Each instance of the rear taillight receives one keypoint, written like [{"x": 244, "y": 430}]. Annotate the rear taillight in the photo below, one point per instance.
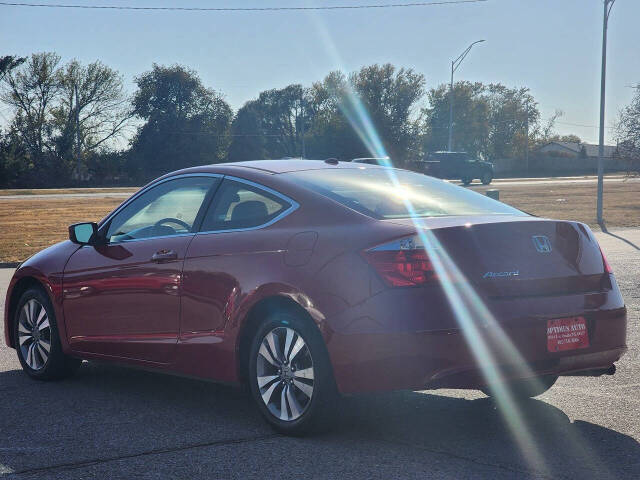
[
  {"x": 607, "y": 267},
  {"x": 402, "y": 263}
]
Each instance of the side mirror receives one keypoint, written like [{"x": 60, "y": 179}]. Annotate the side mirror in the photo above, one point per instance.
[{"x": 84, "y": 233}]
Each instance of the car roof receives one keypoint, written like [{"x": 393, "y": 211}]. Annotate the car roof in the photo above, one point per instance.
[{"x": 288, "y": 165}]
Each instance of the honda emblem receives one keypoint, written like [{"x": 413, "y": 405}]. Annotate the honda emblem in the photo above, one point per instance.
[{"x": 542, "y": 243}]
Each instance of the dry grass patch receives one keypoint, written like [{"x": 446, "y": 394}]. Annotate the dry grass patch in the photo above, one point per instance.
[
  {"x": 28, "y": 225},
  {"x": 51, "y": 191},
  {"x": 31, "y": 224},
  {"x": 576, "y": 201}
]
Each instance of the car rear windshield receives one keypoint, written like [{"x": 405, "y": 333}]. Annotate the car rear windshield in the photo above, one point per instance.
[{"x": 386, "y": 193}]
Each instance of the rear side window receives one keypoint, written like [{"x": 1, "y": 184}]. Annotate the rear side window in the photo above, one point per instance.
[
  {"x": 384, "y": 193},
  {"x": 238, "y": 205}
]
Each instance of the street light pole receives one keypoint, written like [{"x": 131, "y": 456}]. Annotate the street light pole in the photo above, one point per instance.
[
  {"x": 454, "y": 66},
  {"x": 450, "y": 144},
  {"x": 608, "y": 4}
]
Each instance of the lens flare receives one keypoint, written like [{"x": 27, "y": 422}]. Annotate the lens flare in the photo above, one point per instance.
[
  {"x": 487, "y": 341},
  {"x": 477, "y": 325}
]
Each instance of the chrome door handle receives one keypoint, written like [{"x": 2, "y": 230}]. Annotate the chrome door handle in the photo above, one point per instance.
[{"x": 164, "y": 256}]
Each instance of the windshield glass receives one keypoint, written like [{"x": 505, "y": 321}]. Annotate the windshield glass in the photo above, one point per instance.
[{"x": 374, "y": 192}]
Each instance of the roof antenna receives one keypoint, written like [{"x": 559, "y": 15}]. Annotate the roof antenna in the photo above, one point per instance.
[{"x": 331, "y": 161}]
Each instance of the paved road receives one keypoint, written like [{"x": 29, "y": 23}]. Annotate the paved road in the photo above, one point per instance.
[
  {"x": 110, "y": 422},
  {"x": 497, "y": 182},
  {"x": 560, "y": 180},
  {"x": 40, "y": 196}
]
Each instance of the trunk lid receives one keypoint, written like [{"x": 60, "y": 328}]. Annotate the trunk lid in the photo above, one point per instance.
[{"x": 516, "y": 256}]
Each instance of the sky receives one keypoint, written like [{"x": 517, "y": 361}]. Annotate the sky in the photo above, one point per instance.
[{"x": 551, "y": 46}]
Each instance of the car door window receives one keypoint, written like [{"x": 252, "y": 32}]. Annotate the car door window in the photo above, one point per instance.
[
  {"x": 170, "y": 208},
  {"x": 238, "y": 205}
]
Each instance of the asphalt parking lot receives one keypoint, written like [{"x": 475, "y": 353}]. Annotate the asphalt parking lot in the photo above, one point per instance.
[{"x": 111, "y": 422}]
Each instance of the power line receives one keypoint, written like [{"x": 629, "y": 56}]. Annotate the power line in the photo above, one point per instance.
[
  {"x": 237, "y": 9},
  {"x": 581, "y": 125}
]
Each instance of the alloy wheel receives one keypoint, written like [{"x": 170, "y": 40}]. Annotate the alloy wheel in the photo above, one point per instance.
[
  {"x": 285, "y": 374},
  {"x": 34, "y": 334}
]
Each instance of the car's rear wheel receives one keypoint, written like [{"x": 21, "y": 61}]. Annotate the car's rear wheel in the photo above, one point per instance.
[
  {"x": 527, "y": 387},
  {"x": 466, "y": 180},
  {"x": 486, "y": 178},
  {"x": 37, "y": 340},
  {"x": 289, "y": 374}
]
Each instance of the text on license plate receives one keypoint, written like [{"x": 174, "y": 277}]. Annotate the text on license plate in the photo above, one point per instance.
[{"x": 567, "y": 334}]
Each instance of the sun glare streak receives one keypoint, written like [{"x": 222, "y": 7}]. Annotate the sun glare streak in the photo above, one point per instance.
[
  {"x": 355, "y": 112},
  {"x": 463, "y": 301},
  {"x": 481, "y": 331}
]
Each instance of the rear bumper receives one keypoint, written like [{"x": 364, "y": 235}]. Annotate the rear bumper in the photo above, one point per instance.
[{"x": 369, "y": 356}]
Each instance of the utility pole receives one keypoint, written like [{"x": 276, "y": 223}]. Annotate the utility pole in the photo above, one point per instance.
[
  {"x": 608, "y": 4},
  {"x": 450, "y": 144},
  {"x": 526, "y": 145},
  {"x": 304, "y": 153},
  {"x": 454, "y": 66},
  {"x": 78, "y": 140}
]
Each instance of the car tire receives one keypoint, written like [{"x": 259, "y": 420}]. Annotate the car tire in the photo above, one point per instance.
[
  {"x": 300, "y": 380},
  {"x": 486, "y": 178},
  {"x": 466, "y": 180},
  {"x": 37, "y": 338},
  {"x": 526, "y": 388}
]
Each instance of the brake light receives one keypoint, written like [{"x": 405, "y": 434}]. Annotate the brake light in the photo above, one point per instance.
[
  {"x": 402, "y": 263},
  {"x": 607, "y": 267}
]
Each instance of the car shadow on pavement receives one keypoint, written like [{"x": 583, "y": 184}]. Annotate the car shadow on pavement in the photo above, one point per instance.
[
  {"x": 107, "y": 413},
  {"x": 604, "y": 229},
  {"x": 478, "y": 430}
]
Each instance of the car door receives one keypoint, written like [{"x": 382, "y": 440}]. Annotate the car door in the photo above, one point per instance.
[
  {"x": 225, "y": 262},
  {"x": 122, "y": 298}
]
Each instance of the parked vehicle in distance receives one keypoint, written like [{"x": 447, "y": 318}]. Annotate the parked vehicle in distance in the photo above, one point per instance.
[
  {"x": 456, "y": 165},
  {"x": 306, "y": 278}
]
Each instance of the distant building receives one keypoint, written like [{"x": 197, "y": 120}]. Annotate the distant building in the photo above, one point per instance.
[{"x": 575, "y": 150}]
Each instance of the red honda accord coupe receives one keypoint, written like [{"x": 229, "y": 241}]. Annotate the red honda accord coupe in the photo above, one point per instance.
[{"x": 304, "y": 279}]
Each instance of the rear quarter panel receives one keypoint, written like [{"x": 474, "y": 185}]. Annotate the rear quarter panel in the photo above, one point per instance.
[{"x": 310, "y": 257}]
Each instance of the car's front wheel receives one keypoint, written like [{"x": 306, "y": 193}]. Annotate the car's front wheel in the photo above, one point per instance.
[
  {"x": 486, "y": 178},
  {"x": 37, "y": 341},
  {"x": 289, "y": 374},
  {"x": 466, "y": 180}
]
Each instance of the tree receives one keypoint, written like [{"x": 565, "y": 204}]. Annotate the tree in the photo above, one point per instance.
[
  {"x": 332, "y": 132},
  {"x": 185, "y": 124},
  {"x": 14, "y": 167},
  {"x": 8, "y": 63},
  {"x": 370, "y": 113},
  {"x": 9, "y": 163},
  {"x": 92, "y": 110},
  {"x": 247, "y": 137},
  {"x": 389, "y": 96},
  {"x": 61, "y": 115},
  {"x": 471, "y": 127},
  {"x": 511, "y": 111},
  {"x": 32, "y": 91},
  {"x": 488, "y": 120},
  {"x": 571, "y": 138},
  {"x": 628, "y": 132},
  {"x": 271, "y": 126}
]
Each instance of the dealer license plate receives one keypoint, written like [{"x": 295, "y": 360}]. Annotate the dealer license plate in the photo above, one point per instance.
[{"x": 567, "y": 334}]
